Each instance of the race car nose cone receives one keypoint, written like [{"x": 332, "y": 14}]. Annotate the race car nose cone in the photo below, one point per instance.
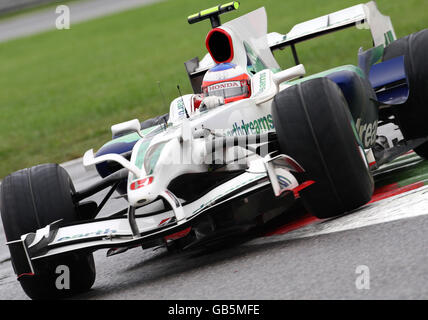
[{"x": 142, "y": 191}]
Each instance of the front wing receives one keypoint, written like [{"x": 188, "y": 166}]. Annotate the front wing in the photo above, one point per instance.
[
  {"x": 150, "y": 224},
  {"x": 117, "y": 232}
]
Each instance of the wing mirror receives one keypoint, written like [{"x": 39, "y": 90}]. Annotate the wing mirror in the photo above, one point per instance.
[
  {"x": 289, "y": 74},
  {"x": 126, "y": 127}
]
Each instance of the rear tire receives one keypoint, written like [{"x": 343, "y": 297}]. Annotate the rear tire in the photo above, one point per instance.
[
  {"x": 412, "y": 116},
  {"x": 315, "y": 127},
  {"x": 30, "y": 199}
]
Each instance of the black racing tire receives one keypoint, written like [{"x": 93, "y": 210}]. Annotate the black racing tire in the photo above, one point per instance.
[
  {"x": 314, "y": 126},
  {"x": 412, "y": 116},
  {"x": 30, "y": 199}
]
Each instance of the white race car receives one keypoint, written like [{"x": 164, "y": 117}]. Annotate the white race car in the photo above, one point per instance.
[{"x": 213, "y": 166}]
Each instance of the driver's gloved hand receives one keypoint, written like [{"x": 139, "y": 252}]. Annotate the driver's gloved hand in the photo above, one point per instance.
[{"x": 211, "y": 102}]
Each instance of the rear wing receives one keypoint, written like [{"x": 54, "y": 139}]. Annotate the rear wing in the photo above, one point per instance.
[{"x": 362, "y": 16}]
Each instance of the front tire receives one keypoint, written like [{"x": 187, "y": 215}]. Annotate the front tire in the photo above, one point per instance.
[
  {"x": 30, "y": 199},
  {"x": 314, "y": 126}
]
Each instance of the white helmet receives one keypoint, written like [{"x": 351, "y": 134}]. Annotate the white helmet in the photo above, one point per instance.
[{"x": 227, "y": 80}]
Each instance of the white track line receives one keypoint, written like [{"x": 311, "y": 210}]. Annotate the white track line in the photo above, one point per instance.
[{"x": 403, "y": 206}]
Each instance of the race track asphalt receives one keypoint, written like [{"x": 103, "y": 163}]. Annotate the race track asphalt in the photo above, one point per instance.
[
  {"x": 43, "y": 20},
  {"x": 318, "y": 260}
]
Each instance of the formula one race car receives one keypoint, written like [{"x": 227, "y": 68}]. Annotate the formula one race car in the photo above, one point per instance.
[{"x": 234, "y": 154}]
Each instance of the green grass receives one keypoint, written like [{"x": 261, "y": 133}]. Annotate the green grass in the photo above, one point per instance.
[{"x": 62, "y": 90}]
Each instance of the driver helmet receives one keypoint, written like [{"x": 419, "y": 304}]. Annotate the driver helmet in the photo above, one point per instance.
[{"x": 227, "y": 80}]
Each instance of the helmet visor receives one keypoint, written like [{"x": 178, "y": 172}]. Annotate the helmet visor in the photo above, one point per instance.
[{"x": 229, "y": 89}]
